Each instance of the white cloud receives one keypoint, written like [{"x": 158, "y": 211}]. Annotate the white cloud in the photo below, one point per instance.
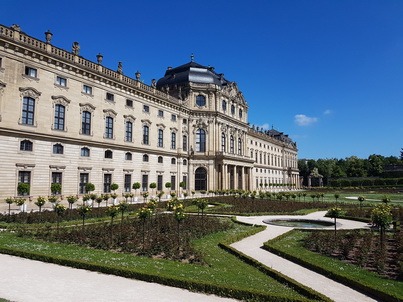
[
  {"x": 303, "y": 120},
  {"x": 327, "y": 112},
  {"x": 265, "y": 126}
]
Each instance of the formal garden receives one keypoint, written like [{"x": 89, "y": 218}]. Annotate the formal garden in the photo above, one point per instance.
[{"x": 185, "y": 243}]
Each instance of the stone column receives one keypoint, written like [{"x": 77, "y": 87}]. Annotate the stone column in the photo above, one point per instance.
[{"x": 224, "y": 176}]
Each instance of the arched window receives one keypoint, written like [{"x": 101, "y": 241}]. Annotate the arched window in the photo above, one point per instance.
[
  {"x": 160, "y": 159},
  {"x": 28, "y": 111},
  {"x": 58, "y": 149},
  {"x": 86, "y": 123},
  {"x": 59, "y": 117},
  {"x": 129, "y": 131},
  {"x": 26, "y": 145},
  {"x": 109, "y": 127},
  {"x": 160, "y": 138},
  {"x": 173, "y": 161},
  {"x": 224, "y": 105},
  {"x": 239, "y": 146},
  {"x": 200, "y": 140},
  {"x": 145, "y": 158},
  {"x": 108, "y": 154},
  {"x": 173, "y": 140},
  {"x": 185, "y": 162},
  {"x": 200, "y": 100},
  {"x": 231, "y": 144},
  {"x": 200, "y": 179},
  {"x": 223, "y": 142},
  {"x": 128, "y": 156},
  {"x": 146, "y": 132},
  {"x": 240, "y": 113},
  {"x": 85, "y": 152},
  {"x": 232, "y": 109}
]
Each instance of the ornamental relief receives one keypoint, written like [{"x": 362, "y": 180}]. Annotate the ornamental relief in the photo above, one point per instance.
[
  {"x": 129, "y": 118},
  {"x": 30, "y": 92},
  {"x": 160, "y": 126},
  {"x": 110, "y": 113},
  {"x": 87, "y": 107},
  {"x": 146, "y": 122},
  {"x": 60, "y": 100},
  {"x": 201, "y": 124}
]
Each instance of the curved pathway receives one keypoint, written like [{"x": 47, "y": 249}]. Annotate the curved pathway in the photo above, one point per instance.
[{"x": 251, "y": 246}]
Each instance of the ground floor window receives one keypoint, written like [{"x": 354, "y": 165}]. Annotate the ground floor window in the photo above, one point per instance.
[
  {"x": 24, "y": 177},
  {"x": 159, "y": 182},
  {"x": 57, "y": 179},
  {"x": 185, "y": 181},
  {"x": 107, "y": 183},
  {"x": 144, "y": 183},
  {"x": 84, "y": 177},
  {"x": 128, "y": 181},
  {"x": 173, "y": 182},
  {"x": 200, "y": 179}
]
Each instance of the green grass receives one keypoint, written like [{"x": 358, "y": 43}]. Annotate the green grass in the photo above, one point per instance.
[
  {"x": 292, "y": 244},
  {"x": 223, "y": 268},
  {"x": 374, "y": 198}
]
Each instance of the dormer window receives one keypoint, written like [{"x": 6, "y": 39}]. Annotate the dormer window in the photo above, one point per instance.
[{"x": 200, "y": 100}]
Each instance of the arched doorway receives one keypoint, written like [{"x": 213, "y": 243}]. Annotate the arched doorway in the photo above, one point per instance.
[{"x": 200, "y": 179}]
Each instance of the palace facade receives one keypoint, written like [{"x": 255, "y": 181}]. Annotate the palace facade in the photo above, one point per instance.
[{"x": 66, "y": 119}]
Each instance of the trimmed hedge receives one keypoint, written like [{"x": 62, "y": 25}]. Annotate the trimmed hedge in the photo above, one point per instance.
[
  {"x": 356, "y": 284},
  {"x": 366, "y": 182}
]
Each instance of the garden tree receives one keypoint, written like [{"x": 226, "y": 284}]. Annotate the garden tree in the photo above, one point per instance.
[
  {"x": 355, "y": 167},
  {"x": 144, "y": 214},
  {"x": 201, "y": 205},
  {"x": 112, "y": 211},
  {"x": 93, "y": 197},
  {"x": 168, "y": 185},
  {"x": 53, "y": 200},
  {"x": 336, "y": 195},
  {"x": 385, "y": 199},
  {"x": 123, "y": 206},
  {"x": 23, "y": 188},
  {"x": 99, "y": 199},
  {"x": 159, "y": 195},
  {"x": 40, "y": 201},
  {"x": 334, "y": 213},
  {"x": 179, "y": 215},
  {"x": 145, "y": 195},
  {"x": 361, "y": 199},
  {"x": 382, "y": 217},
  {"x": 136, "y": 186},
  {"x": 153, "y": 185},
  {"x": 86, "y": 197},
  {"x": 374, "y": 166},
  {"x": 59, "y": 210},
  {"x": 105, "y": 198},
  {"x": 9, "y": 201},
  {"x": 338, "y": 172},
  {"x": 89, "y": 187},
  {"x": 83, "y": 211},
  {"x": 304, "y": 195},
  {"x": 325, "y": 168},
  {"x": 114, "y": 187},
  {"x": 56, "y": 188},
  {"x": 293, "y": 196},
  {"x": 71, "y": 199},
  {"x": 313, "y": 197},
  {"x": 20, "y": 202}
]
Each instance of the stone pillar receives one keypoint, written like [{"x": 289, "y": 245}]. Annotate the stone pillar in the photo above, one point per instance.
[{"x": 224, "y": 176}]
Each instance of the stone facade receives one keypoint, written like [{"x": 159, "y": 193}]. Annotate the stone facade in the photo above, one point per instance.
[{"x": 66, "y": 119}]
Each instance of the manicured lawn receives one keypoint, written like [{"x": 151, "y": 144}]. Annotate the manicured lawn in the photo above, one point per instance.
[
  {"x": 222, "y": 268},
  {"x": 290, "y": 245}
]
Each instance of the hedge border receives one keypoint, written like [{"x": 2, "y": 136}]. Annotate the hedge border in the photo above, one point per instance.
[{"x": 342, "y": 279}]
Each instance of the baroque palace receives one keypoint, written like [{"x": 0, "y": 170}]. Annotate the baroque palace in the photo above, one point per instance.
[{"x": 69, "y": 120}]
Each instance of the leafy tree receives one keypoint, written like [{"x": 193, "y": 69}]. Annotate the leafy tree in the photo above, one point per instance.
[
  {"x": 71, "y": 199},
  {"x": 179, "y": 215},
  {"x": 89, "y": 187},
  {"x": 334, "y": 213},
  {"x": 20, "y": 202},
  {"x": 123, "y": 206},
  {"x": 136, "y": 186},
  {"x": 112, "y": 211},
  {"x": 9, "y": 201},
  {"x": 355, "y": 167},
  {"x": 336, "y": 195},
  {"x": 114, "y": 187},
  {"x": 201, "y": 205},
  {"x": 361, "y": 199},
  {"x": 99, "y": 199},
  {"x": 59, "y": 210},
  {"x": 168, "y": 185},
  {"x": 153, "y": 185},
  {"x": 144, "y": 214},
  {"x": 83, "y": 211},
  {"x": 382, "y": 217},
  {"x": 375, "y": 163},
  {"x": 159, "y": 195},
  {"x": 40, "y": 201},
  {"x": 145, "y": 195},
  {"x": 106, "y": 197}
]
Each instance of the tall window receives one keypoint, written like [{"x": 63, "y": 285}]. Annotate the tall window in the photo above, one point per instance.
[
  {"x": 24, "y": 177},
  {"x": 173, "y": 182},
  {"x": 232, "y": 109},
  {"x": 160, "y": 138},
  {"x": 107, "y": 183},
  {"x": 200, "y": 179},
  {"x": 146, "y": 135},
  {"x": 185, "y": 181},
  {"x": 223, "y": 142},
  {"x": 28, "y": 111},
  {"x": 144, "y": 182},
  {"x": 200, "y": 140},
  {"x": 109, "y": 127},
  {"x": 57, "y": 179},
  {"x": 224, "y": 105},
  {"x": 86, "y": 123},
  {"x": 129, "y": 131},
  {"x": 240, "y": 113},
  {"x": 128, "y": 181},
  {"x": 83, "y": 181},
  {"x": 239, "y": 146},
  {"x": 26, "y": 145},
  {"x": 58, "y": 149},
  {"x": 200, "y": 100},
  {"x": 185, "y": 143},
  {"x": 59, "y": 117},
  {"x": 173, "y": 140},
  {"x": 159, "y": 182},
  {"x": 231, "y": 144}
]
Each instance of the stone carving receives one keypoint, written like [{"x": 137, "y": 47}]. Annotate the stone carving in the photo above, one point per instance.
[
  {"x": 161, "y": 126},
  {"x": 75, "y": 48},
  {"x": 16, "y": 27},
  {"x": 30, "y": 92},
  {"x": 48, "y": 36},
  {"x": 61, "y": 100},
  {"x": 99, "y": 58},
  {"x": 87, "y": 107},
  {"x": 153, "y": 83},
  {"x": 129, "y": 118},
  {"x": 110, "y": 113},
  {"x": 146, "y": 122},
  {"x": 200, "y": 123},
  {"x": 120, "y": 68}
]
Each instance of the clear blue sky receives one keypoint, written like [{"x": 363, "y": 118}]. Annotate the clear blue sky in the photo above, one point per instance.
[{"x": 328, "y": 73}]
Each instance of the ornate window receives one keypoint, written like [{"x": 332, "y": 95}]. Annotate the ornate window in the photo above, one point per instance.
[
  {"x": 109, "y": 127},
  {"x": 59, "y": 117},
  {"x": 28, "y": 111},
  {"x": 200, "y": 140},
  {"x": 160, "y": 138},
  {"x": 231, "y": 144},
  {"x": 185, "y": 162},
  {"x": 200, "y": 100},
  {"x": 223, "y": 142},
  {"x": 129, "y": 132},
  {"x": 146, "y": 133},
  {"x": 26, "y": 145},
  {"x": 173, "y": 140},
  {"x": 86, "y": 122},
  {"x": 58, "y": 149}
]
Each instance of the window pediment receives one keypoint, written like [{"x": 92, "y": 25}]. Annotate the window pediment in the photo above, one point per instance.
[
  {"x": 87, "y": 107},
  {"x": 61, "y": 100},
  {"x": 146, "y": 122},
  {"x": 30, "y": 92},
  {"x": 110, "y": 113},
  {"x": 129, "y": 118}
]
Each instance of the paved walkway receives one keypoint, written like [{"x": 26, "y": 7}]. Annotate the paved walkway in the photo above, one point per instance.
[
  {"x": 24, "y": 280},
  {"x": 251, "y": 246}
]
